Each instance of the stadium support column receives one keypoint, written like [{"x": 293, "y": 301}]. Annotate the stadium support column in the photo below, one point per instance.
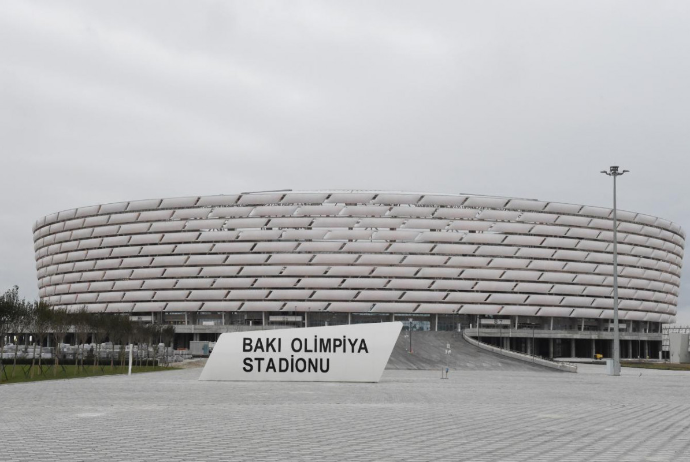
[
  {"x": 551, "y": 347},
  {"x": 594, "y": 347},
  {"x": 572, "y": 347},
  {"x": 263, "y": 318},
  {"x": 349, "y": 318}
]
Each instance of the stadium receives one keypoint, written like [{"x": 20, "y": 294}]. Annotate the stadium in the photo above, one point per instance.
[{"x": 523, "y": 274}]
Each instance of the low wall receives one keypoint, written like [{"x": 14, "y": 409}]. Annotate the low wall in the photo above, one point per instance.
[{"x": 520, "y": 356}]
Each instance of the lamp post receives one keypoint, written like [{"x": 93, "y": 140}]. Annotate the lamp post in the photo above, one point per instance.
[{"x": 614, "y": 172}]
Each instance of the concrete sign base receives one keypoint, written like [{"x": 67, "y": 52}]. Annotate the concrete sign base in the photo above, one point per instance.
[{"x": 350, "y": 353}]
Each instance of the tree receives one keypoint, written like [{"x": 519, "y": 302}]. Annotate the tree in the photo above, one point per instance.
[
  {"x": 152, "y": 339},
  {"x": 167, "y": 336},
  {"x": 42, "y": 322},
  {"x": 121, "y": 331},
  {"x": 60, "y": 325},
  {"x": 139, "y": 333},
  {"x": 114, "y": 327},
  {"x": 21, "y": 321},
  {"x": 99, "y": 323},
  {"x": 30, "y": 320},
  {"x": 8, "y": 304},
  {"x": 81, "y": 319}
]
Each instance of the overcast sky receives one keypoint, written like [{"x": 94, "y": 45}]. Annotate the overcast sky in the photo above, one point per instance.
[{"x": 111, "y": 101}]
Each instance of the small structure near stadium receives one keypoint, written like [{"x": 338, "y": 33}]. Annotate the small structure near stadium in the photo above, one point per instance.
[{"x": 352, "y": 353}]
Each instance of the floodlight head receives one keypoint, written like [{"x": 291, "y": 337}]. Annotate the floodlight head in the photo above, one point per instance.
[{"x": 613, "y": 171}]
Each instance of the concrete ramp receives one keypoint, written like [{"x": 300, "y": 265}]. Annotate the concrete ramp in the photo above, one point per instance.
[{"x": 428, "y": 353}]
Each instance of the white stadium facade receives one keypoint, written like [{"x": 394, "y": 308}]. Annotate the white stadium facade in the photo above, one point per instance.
[{"x": 525, "y": 274}]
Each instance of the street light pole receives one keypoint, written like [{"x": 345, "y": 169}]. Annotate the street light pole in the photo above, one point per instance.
[{"x": 614, "y": 172}]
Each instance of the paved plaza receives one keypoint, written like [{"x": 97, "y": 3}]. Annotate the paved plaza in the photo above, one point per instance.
[{"x": 410, "y": 415}]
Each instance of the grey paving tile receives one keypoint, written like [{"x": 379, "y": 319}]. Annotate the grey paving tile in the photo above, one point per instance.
[{"x": 411, "y": 415}]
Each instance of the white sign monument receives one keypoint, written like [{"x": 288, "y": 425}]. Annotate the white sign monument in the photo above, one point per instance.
[{"x": 350, "y": 353}]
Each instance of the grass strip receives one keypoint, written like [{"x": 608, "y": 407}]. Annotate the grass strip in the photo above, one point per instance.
[
  {"x": 658, "y": 366},
  {"x": 70, "y": 371}
]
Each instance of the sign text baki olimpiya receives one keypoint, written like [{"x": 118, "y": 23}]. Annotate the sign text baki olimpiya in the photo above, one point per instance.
[{"x": 350, "y": 353}]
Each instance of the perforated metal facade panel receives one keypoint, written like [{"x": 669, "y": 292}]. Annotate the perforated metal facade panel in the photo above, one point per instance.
[{"x": 358, "y": 251}]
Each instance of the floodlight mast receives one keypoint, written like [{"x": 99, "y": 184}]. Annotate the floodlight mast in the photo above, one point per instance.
[{"x": 614, "y": 172}]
